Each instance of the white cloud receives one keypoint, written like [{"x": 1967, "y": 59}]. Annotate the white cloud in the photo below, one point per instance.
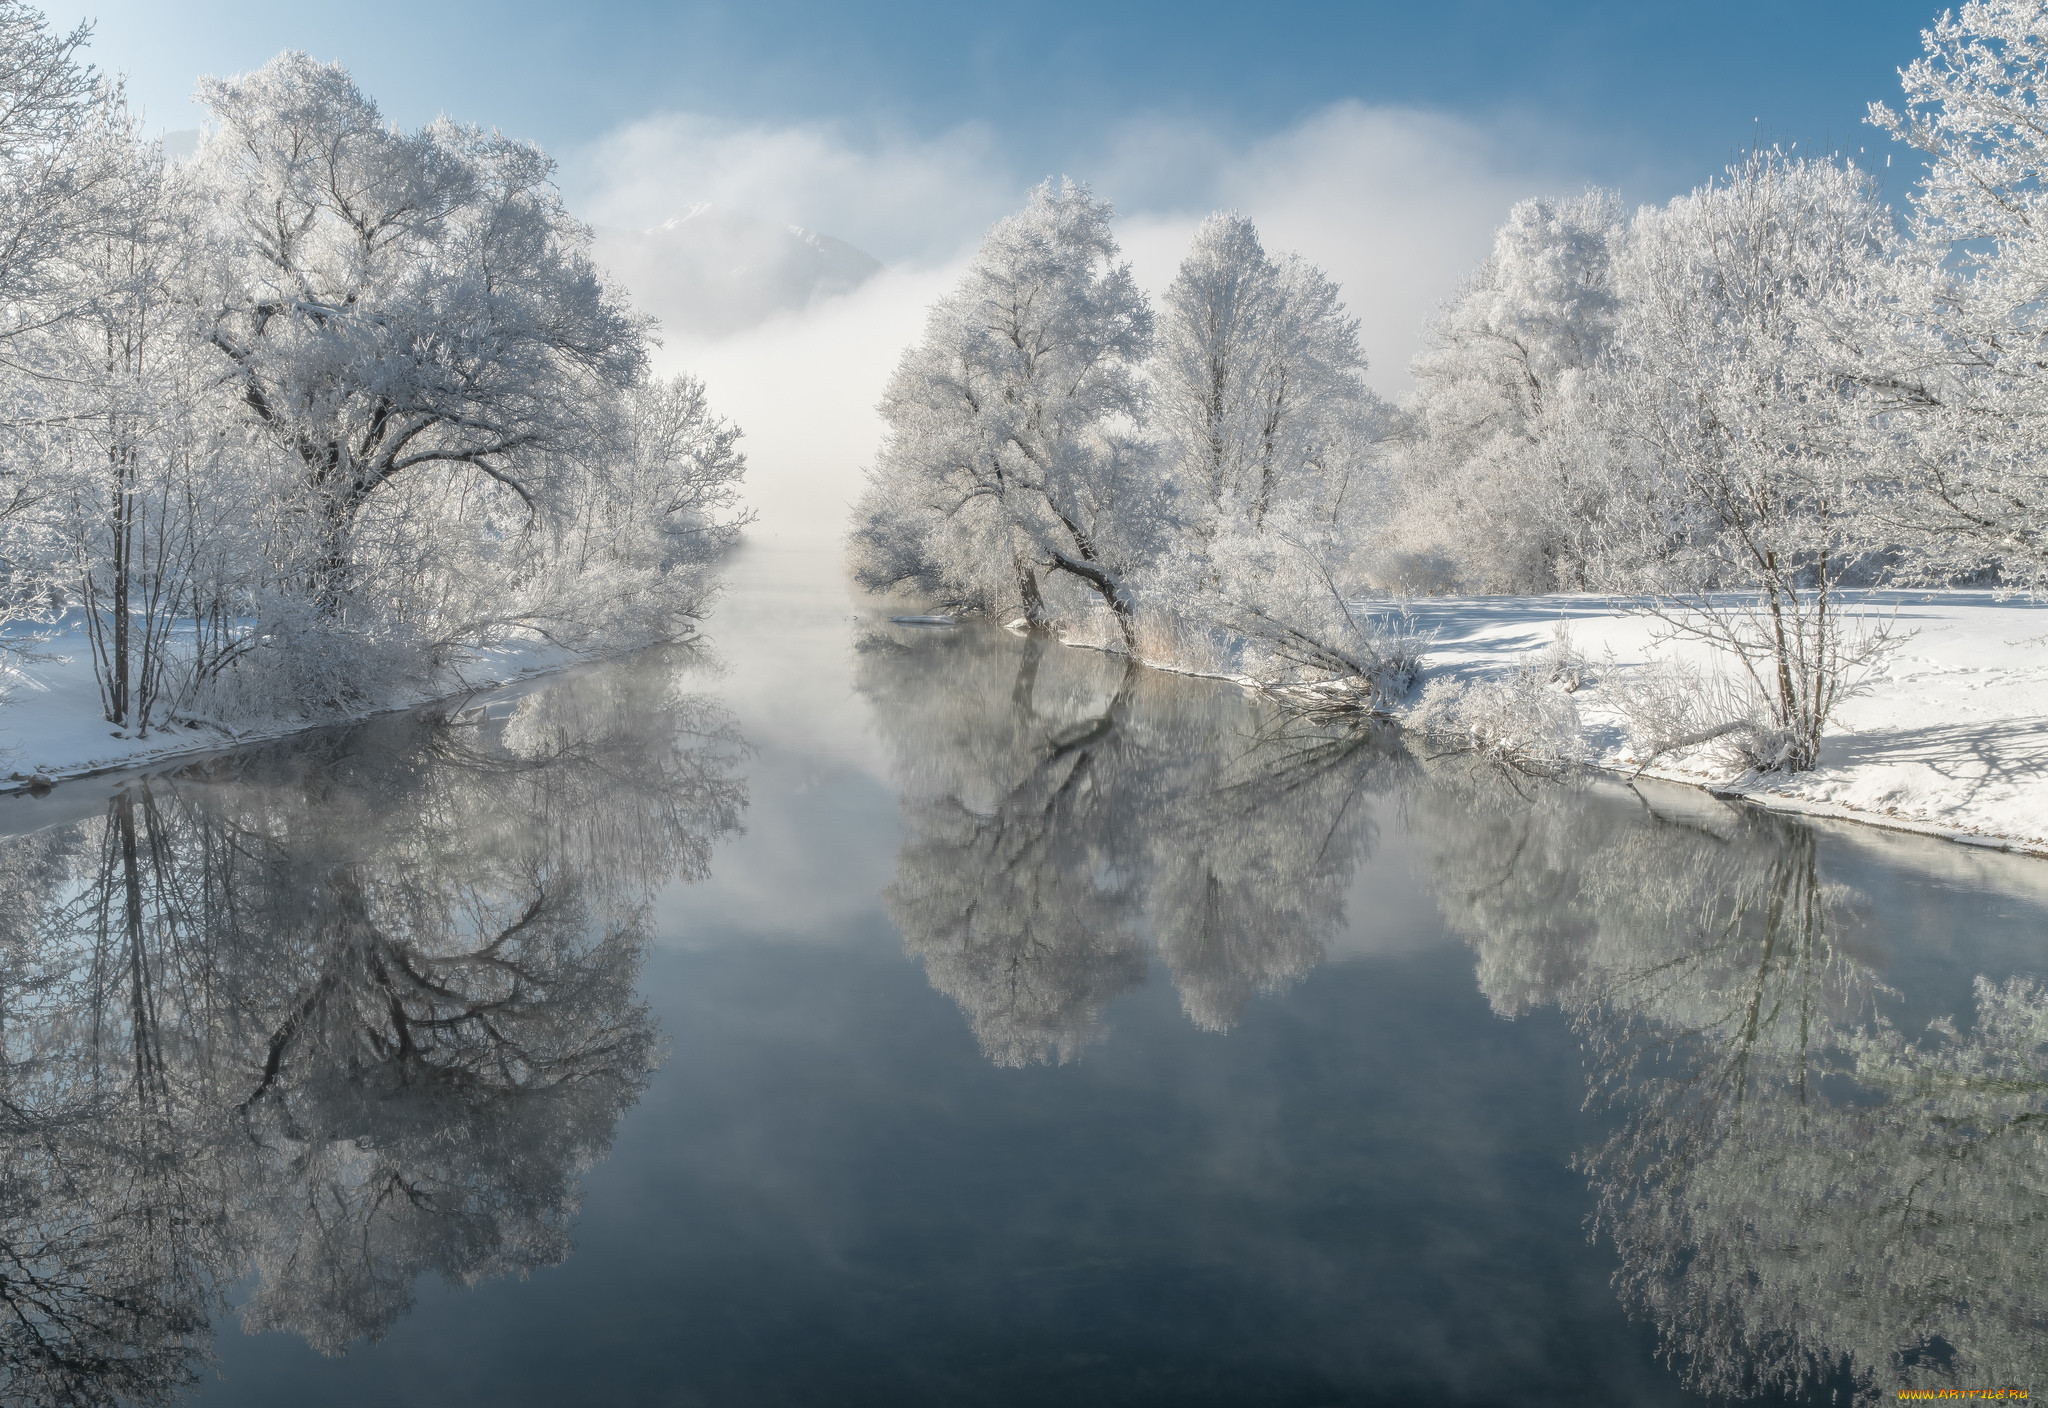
[
  {"x": 899, "y": 198},
  {"x": 1396, "y": 204}
]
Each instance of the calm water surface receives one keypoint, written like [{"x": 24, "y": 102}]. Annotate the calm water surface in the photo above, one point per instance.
[{"x": 880, "y": 1016}]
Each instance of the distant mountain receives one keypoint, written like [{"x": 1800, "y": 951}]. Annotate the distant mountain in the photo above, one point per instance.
[{"x": 711, "y": 270}]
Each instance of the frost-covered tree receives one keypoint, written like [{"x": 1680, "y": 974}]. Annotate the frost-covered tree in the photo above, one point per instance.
[
  {"x": 1007, "y": 465},
  {"x": 51, "y": 163},
  {"x": 662, "y": 504},
  {"x": 1499, "y": 488},
  {"x": 1258, "y": 372},
  {"x": 1013, "y": 477},
  {"x": 52, "y": 171},
  {"x": 1752, "y": 310},
  {"x": 1209, "y": 351},
  {"x": 681, "y": 474},
  {"x": 443, "y": 406},
  {"x": 135, "y": 503},
  {"x": 146, "y": 476},
  {"x": 1975, "y": 469},
  {"x": 615, "y": 548},
  {"x": 1272, "y": 440},
  {"x": 399, "y": 306},
  {"x": 297, "y": 427}
]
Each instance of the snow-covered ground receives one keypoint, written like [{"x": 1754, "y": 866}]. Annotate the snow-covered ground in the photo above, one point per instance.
[
  {"x": 1950, "y": 737},
  {"x": 53, "y": 726}
]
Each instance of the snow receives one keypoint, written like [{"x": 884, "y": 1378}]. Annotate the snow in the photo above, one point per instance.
[
  {"x": 1949, "y": 737},
  {"x": 53, "y": 726}
]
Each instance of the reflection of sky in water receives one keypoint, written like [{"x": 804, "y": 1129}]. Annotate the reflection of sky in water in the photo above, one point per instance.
[{"x": 1362, "y": 1193}]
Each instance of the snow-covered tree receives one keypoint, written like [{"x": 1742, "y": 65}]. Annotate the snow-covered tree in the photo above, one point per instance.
[
  {"x": 441, "y": 406},
  {"x": 1258, "y": 372},
  {"x": 52, "y": 170},
  {"x": 1752, "y": 310},
  {"x": 296, "y": 426},
  {"x": 51, "y": 163},
  {"x": 144, "y": 469},
  {"x": 1013, "y": 476},
  {"x": 1497, "y": 483},
  {"x": 1007, "y": 463},
  {"x": 1273, "y": 442},
  {"x": 395, "y": 306},
  {"x": 1209, "y": 352},
  {"x": 681, "y": 474},
  {"x": 1975, "y": 468}
]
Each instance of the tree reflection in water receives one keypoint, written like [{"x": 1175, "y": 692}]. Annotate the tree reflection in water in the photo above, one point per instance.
[
  {"x": 1803, "y": 1195},
  {"x": 1805, "y": 1198},
  {"x": 1066, "y": 810},
  {"x": 340, "y": 1015}
]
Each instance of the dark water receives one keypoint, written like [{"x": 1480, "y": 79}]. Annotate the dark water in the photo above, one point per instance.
[{"x": 874, "y": 1016}]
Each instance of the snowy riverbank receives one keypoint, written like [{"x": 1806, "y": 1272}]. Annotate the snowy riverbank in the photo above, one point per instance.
[
  {"x": 52, "y": 725},
  {"x": 1949, "y": 738}
]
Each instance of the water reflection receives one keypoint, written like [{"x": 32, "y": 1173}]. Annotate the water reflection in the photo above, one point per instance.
[
  {"x": 1067, "y": 813},
  {"x": 296, "y": 1028},
  {"x": 329, "y": 1017},
  {"x": 1806, "y": 1195},
  {"x": 1810, "y": 1194}
]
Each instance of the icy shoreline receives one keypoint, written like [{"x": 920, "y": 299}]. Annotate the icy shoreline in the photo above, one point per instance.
[
  {"x": 1949, "y": 739},
  {"x": 53, "y": 728}
]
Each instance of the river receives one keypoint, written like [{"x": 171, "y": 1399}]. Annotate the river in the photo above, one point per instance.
[{"x": 861, "y": 1014}]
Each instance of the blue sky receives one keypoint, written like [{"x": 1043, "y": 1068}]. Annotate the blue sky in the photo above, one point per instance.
[{"x": 1643, "y": 95}]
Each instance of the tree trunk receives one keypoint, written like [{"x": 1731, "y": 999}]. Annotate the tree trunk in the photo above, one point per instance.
[
  {"x": 1126, "y": 619},
  {"x": 329, "y": 586},
  {"x": 124, "y": 550},
  {"x": 1034, "y": 601},
  {"x": 1106, "y": 587}
]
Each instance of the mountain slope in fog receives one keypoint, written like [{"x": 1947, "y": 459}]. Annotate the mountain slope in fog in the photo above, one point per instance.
[{"x": 712, "y": 271}]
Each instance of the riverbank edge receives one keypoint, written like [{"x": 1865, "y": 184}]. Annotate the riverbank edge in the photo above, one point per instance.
[
  {"x": 1732, "y": 790},
  {"x": 145, "y": 764}
]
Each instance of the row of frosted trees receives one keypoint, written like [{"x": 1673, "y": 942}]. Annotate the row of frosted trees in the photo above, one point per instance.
[
  {"x": 1056, "y": 448},
  {"x": 294, "y": 425},
  {"x": 1738, "y": 404},
  {"x": 1769, "y": 367}
]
